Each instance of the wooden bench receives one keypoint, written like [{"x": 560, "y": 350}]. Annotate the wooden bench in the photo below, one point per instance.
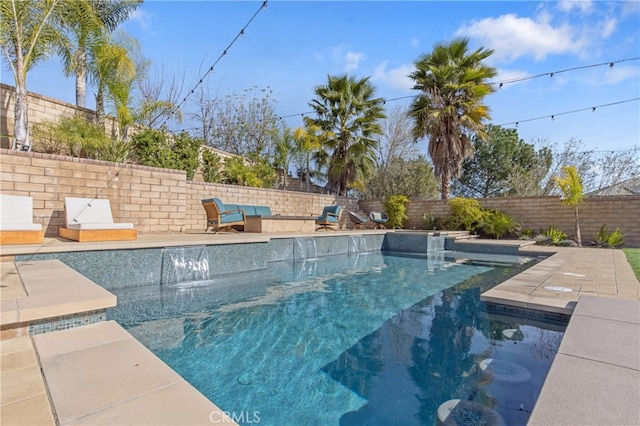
[
  {"x": 16, "y": 221},
  {"x": 90, "y": 219}
]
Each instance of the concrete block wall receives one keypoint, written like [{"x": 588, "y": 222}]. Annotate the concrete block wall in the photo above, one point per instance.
[
  {"x": 40, "y": 109},
  {"x": 155, "y": 200},
  {"x": 542, "y": 212}
]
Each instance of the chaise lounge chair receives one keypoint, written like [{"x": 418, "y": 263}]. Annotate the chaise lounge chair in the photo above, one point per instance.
[
  {"x": 357, "y": 220},
  {"x": 90, "y": 219},
  {"x": 330, "y": 217},
  {"x": 16, "y": 221},
  {"x": 222, "y": 218},
  {"x": 379, "y": 218}
]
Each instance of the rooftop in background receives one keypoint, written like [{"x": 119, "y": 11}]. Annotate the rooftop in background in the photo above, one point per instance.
[{"x": 628, "y": 187}]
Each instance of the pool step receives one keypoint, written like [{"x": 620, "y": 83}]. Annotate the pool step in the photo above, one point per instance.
[{"x": 46, "y": 296}]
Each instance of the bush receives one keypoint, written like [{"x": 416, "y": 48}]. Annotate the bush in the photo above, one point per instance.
[
  {"x": 433, "y": 222},
  {"x": 396, "y": 208},
  {"x": 211, "y": 166},
  {"x": 496, "y": 223},
  {"x": 153, "y": 148},
  {"x": 73, "y": 136},
  {"x": 556, "y": 235},
  {"x": 467, "y": 214},
  {"x": 607, "y": 239}
]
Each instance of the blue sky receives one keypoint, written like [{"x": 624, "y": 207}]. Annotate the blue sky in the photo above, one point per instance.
[{"x": 292, "y": 47}]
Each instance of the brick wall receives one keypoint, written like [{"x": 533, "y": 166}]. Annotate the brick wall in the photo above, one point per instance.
[
  {"x": 155, "y": 200},
  {"x": 40, "y": 109},
  {"x": 542, "y": 212}
]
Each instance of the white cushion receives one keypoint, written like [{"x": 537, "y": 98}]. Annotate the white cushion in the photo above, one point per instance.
[
  {"x": 20, "y": 227},
  {"x": 87, "y": 210},
  {"x": 16, "y": 210},
  {"x": 99, "y": 226}
]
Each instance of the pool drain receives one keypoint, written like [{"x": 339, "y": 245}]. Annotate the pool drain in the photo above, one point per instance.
[
  {"x": 505, "y": 371},
  {"x": 245, "y": 378},
  {"x": 457, "y": 412}
]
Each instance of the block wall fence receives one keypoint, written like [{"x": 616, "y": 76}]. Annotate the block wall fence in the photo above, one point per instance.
[
  {"x": 538, "y": 213},
  {"x": 163, "y": 201},
  {"x": 40, "y": 109},
  {"x": 155, "y": 200}
]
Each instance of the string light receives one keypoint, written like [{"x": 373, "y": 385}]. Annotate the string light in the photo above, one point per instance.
[
  {"x": 553, "y": 116},
  {"x": 223, "y": 54},
  {"x": 500, "y": 84},
  {"x": 552, "y": 73}
]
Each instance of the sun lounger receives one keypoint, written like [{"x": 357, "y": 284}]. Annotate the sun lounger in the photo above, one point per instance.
[
  {"x": 90, "y": 219},
  {"x": 16, "y": 221}
]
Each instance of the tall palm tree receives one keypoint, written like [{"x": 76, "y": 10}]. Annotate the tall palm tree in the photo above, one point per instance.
[
  {"x": 29, "y": 33},
  {"x": 113, "y": 66},
  {"x": 449, "y": 109},
  {"x": 347, "y": 110},
  {"x": 307, "y": 141},
  {"x": 85, "y": 36}
]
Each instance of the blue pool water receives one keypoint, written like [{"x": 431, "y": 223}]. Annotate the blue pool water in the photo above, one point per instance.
[{"x": 368, "y": 339}]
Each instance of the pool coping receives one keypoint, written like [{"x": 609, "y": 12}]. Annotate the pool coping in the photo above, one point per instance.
[{"x": 598, "y": 278}]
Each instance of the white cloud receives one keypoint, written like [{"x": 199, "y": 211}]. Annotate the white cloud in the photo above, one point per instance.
[
  {"x": 631, "y": 7},
  {"x": 414, "y": 42},
  {"x": 620, "y": 73},
  {"x": 142, "y": 18},
  {"x": 584, "y": 6},
  {"x": 346, "y": 59},
  {"x": 513, "y": 37},
  {"x": 396, "y": 78},
  {"x": 608, "y": 27},
  {"x": 352, "y": 60}
]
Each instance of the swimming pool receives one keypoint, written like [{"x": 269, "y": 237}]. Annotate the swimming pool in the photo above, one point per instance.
[{"x": 363, "y": 338}]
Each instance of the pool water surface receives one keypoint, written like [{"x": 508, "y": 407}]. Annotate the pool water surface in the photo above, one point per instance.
[{"x": 364, "y": 339}]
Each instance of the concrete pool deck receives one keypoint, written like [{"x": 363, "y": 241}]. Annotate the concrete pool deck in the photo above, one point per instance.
[{"x": 76, "y": 376}]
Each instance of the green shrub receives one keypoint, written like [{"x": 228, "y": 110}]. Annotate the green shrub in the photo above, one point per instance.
[
  {"x": 556, "y": 235},
  {"x": 211, "y": 166},
  {"x": 396, "y": 208},
  {"x": 154, "y": 148},
  {"x": 607, "y": 239},
  {"x": 496, "y": 223},
  {"x": 73, "y": 136},
  {"x": 466, "y": 214},
  {"x": 525, "y": 234}
]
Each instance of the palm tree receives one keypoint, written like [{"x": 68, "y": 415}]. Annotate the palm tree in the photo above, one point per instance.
[
  {"x": 86, "y": 35},
  {"x": 113, "y": 66},
  {"x": 572, "y": 195},
  {"x": 29, "y": 33},
  {"x": 449, "y": 109},
  {"x": 307, "y": 141},
  {"x": 348, "y": 115}
]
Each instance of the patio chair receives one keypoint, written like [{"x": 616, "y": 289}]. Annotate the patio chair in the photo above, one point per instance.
[
  {"x": 90, "y": 219},
  {"x": 357, "y": 220},
  {"x": 379, "y": 218},
  {"x": 222, "y": 218},
  {"x": 329, "y": 219},
  {"x": 16, "y": 221}
]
